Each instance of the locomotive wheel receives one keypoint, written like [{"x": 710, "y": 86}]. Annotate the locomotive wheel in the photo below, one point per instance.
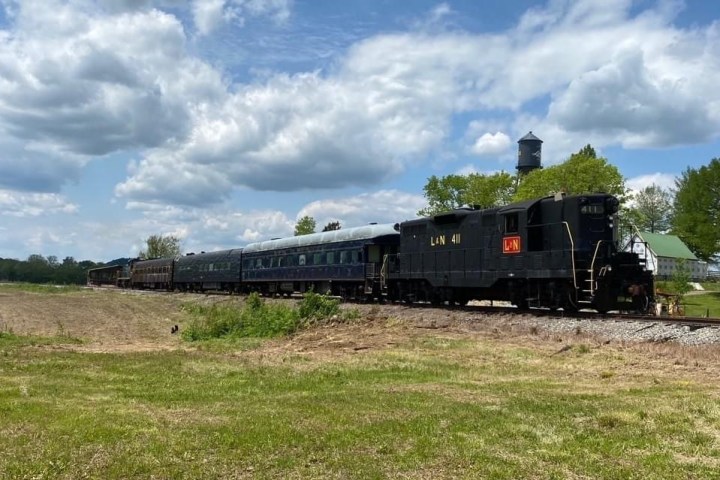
[{"x": 522, "y": 305}]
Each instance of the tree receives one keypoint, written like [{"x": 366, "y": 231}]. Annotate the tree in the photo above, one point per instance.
[
  {"x": 160, "y": 246},
  {"x": 583, "y": 172},
  {"x": 652, "y": 209},
  {"x": 680, "y": 279},
  {"x": 331, "y": 226},
  {"x": 444, "y": 193},
  {"x": 485, "y": 191},
  {"x": 305, "y": 226},
  {"x": 454, "y": 191},
  {"x": 696, "y": 219}
]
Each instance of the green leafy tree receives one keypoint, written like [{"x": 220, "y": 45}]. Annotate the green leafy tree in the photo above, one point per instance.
[
  {"x": 487, "y": 191},
  {"x": 161, "y": 246},
  {"x": 680, "y": 279},
  {"x": 331, "y": 226},
  {"x": 454, "y": 191},
  {"x": 583, "y": 172},
  {"x": 696, "y": 219},
  {"x": 305, "y": 226},
  {"x": 444, "y": 193},
  {"x": 652, "y": 209}
]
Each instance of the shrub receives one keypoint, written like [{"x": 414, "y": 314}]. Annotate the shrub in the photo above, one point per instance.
[{"x": 318, "y": 307}]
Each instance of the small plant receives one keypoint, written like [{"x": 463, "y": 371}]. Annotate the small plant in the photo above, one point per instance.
[
  {"x": 607, "y": 374},
  {"x": 582, "y": 348},
  {"x": 318, "y": 307},
  {"x": 351, "y": 314},
  {"x": 681, "y": 278},
  {"x": 610, "y": 421}
]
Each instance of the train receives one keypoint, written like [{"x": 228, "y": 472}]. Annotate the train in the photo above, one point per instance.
[{"x": 554, "y": 252}]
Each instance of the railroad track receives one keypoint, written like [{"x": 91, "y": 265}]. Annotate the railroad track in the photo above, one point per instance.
[{"x": 692, "y": 322}]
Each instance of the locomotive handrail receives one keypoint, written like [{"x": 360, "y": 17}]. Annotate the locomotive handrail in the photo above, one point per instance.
[
  {"x": 592, "y": 268},
  {"x": 383, "y": 271},
  {"x": 572, "y": 255}
]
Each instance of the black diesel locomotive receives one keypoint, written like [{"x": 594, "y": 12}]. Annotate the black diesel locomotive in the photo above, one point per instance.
[{"x": 552, "y": 252}]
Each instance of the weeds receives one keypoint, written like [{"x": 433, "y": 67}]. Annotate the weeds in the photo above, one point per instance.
[
  {"x": 582, "y": 348},
  {"x": 257, "y": 318}
]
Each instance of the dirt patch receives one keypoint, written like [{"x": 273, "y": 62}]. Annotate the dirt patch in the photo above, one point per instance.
[{"x": 104, "y": 320}]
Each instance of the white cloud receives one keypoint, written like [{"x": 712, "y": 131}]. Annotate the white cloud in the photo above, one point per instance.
[
  {"x": 641, "y": 109},
  {"x": 491, "y": 144},
  {"x": 80, "y": 83},
  {"x": 85, "y": 81},
  {"x": 210, "y": 14},
  {"x": 384, "y": 206},
  {"x": 663, "y": 180},
  {"x": 23, "y": 204}
]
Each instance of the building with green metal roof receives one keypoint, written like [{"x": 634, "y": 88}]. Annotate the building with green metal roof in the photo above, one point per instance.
[{"x": 662, "y": 254}]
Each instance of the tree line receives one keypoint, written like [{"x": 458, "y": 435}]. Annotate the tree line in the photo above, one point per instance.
[
  {"x": 690, "y": 210},
  {"x": 39, "y": 269}
]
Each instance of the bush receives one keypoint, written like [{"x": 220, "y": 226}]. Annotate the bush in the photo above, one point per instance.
[
  {"x": 257, "y": 318},
  {"x": 318, "y": 307}
]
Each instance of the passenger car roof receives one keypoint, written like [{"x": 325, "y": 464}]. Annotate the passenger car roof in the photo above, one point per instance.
[{"x": 343, "y": 235}]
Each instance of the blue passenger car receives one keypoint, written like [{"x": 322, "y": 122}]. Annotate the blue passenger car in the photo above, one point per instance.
[
  {"x": 347, "y": 263},
  {"x": 209, "y": 271}
]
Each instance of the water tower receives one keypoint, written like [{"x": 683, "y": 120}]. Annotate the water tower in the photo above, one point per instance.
[{"x": 529, "y": 154}]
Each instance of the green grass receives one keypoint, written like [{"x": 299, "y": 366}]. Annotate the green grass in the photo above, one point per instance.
[
  {"x": 39, "y": 288},
  {"x": 698, "y": 305},
  {"x": 711, "y": 286},
  {"x": 428, "y": 408}
]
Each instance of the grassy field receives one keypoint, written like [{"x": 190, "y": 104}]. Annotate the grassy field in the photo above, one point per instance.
[
  {"x": 378, "y": 398},
  {"x": 699, "y": 305}
]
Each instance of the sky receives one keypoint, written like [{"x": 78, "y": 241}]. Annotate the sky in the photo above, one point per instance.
[{"x": 223, "y": 122}]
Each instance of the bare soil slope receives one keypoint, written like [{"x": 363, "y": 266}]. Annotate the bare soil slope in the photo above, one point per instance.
[{"x": 103, "y": 319}]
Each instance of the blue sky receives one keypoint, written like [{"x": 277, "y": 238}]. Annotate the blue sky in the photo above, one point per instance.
[{"x": 224, "y": 121}]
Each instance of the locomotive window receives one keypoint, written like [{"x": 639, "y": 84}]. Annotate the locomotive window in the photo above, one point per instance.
[
  {"x": 318, "y": 259},
  {"x": 344, "y": 257},
  {"x": 511, "y": 223},
  {"x": 592, "y": 209},
  {"x": 301, "y": 260},
  {"x": 330, "y": 258}
]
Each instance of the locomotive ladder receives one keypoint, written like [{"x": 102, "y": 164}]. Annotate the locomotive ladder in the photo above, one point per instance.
[{"x": 591, "y": 280}]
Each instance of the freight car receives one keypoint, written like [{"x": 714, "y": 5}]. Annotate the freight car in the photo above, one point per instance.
[{"x": 554, "y": 252}]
